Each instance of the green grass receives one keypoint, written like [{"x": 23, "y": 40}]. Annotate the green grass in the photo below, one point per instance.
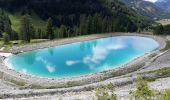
[
  {"x": 39, "y": 40},
  {"x": 21, "y": 43},
  {"x": 133, "y": 68},
  {"x": 167, "y": 46},
  {"x": 164, "y": 21},
  {"x": 19, "y": 83},
  {"x": 69, "y": 84},
  {"x": 160, "y": 73},
  {"x": 35, "y": 86},
  {"x": 166, "y": 95},
  {"x": 36, "y": 21},
  {"x": 6, "y": 47},
  {"x": 15, "y": 20}
]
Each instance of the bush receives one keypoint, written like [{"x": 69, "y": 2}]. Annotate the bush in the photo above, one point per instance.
[
  {"x": 142, "y": 90},
  {"x": 162, "y": 30},
  {"x": 105, "y": 93},
  {"x": 166, "y": 95}
]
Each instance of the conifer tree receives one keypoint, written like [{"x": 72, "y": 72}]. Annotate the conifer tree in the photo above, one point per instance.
[
  {"x": 159, "y": 29},
  {"x": 63, "y": 31},
  {"x": 49, "y": 29},
  {"x": 8, "y": 29},
  {"x": 6, "y": 38},
  {"x": 26, "y": 28},
  {"x": 39, "y": 34}
]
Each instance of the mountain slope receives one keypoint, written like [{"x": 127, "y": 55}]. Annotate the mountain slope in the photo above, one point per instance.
[
  {"x": 164, "y": 4},
  {"x": 95, "y": 16},
  {"x": 146, "y": 8}
]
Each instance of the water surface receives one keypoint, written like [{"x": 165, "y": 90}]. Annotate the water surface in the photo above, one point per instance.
[{"x": 83, "y": 57}]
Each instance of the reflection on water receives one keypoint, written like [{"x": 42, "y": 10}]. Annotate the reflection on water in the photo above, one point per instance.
[
  {"x": 30, "y": 58},
  {"x": 87, "y": 45},
  {"x": 51, "y": 51},
  {"x": 82, "y": 58}
]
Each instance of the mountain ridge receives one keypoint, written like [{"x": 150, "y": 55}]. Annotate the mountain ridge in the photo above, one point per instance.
[
  {"x": 164, "y": 4},
  {"x": 147, "y": 8}
]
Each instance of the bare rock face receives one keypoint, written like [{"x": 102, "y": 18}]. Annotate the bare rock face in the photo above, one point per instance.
[
  {"x": 164, "y": 4},
  {"x": 147, "y": 8}
]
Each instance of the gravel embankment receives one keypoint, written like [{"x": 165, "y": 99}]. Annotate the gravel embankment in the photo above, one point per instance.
[{"x": 123, "y": 83}]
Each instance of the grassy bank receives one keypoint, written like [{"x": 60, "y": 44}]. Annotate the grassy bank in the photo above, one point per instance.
[
  {"x": 160, "y": 73},
  {"x": 19, "y": 43}
]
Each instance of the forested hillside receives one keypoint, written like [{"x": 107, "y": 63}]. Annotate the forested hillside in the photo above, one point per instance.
[{"x": 74, "y": 17}]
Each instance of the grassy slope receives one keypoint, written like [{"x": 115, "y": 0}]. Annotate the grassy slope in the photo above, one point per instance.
[
  {"x": 15, "y": 19},
  {"x": 164, "y": 21},
  {"x": 36, "y": 21}
]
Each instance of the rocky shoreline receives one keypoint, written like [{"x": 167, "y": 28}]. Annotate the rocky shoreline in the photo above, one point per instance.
[{"x": 77, "y": 84}]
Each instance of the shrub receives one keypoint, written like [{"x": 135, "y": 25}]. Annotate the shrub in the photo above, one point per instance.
[
  {"x": 142, "y": 90},
  {"x": 105, "y": 93},
  {"x": 166, "y": 95}
]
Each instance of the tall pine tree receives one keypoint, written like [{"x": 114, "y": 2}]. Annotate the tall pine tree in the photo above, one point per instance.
[
  {"x": 63, "y": 31},
  {"x": 6, "y": 38},
  {"x": 26, "y": 28},
  {"x": 49, "y": 29}
]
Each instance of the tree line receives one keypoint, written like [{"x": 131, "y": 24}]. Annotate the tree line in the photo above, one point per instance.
[
  {"x": 88, "y": 25},
  {"x": 5, "y": 27},
  {"x": 68, "y": 12},
  {"x": 67, "y": 18},
  {"x": 162, "y": 30}
]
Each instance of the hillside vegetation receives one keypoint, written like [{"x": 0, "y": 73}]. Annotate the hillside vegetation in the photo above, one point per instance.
[
  {"x": 68, "y": 17},
  {"x": 16, "y": 17}
]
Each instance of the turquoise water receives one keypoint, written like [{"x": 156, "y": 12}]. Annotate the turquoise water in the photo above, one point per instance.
[{"x": 83, "y": 57}]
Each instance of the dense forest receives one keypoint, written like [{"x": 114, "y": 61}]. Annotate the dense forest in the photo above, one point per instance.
[{"x": 66, "y": 18}]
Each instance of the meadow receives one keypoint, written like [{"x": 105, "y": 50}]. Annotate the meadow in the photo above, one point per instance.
[{"x": 164, "y": 21}]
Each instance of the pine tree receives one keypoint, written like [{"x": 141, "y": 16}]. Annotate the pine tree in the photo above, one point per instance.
[
  {"x": 39, "y": 34},
  {"x": 26, "y": 28},
  {"x": 8, "y": 29},
  {"x": 76, "y": 31},
  {"x": 33, "y": 31},
  {"x": 63, "y": 31},
  {"x": 159, "y": 29},
  {"x": 69, "y": 32},
  {"x": 83, "y": 25},
  {"x": 167, "y": 29},
  {"x": 49, "y": 29},
  {"x": 6, "y": 38}
]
